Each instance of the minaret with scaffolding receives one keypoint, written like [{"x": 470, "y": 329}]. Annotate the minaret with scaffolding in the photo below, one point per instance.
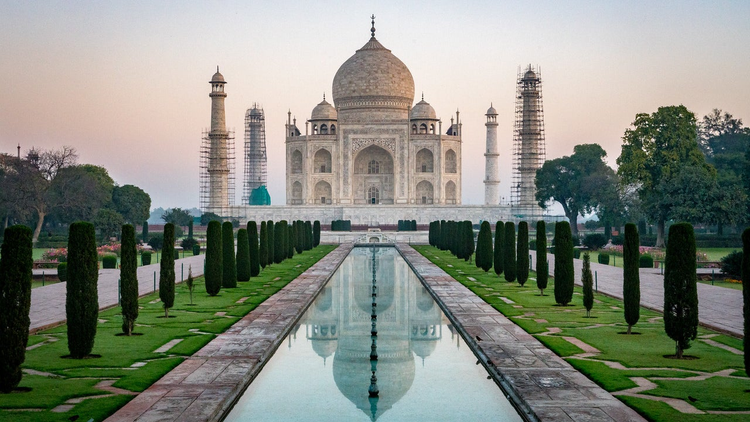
[
  {"x": 254, "y": 191},
  {"x": 217, "y": 155},
  {"x": 491, "y": 161},
  {"x": 528, "y": 141}
]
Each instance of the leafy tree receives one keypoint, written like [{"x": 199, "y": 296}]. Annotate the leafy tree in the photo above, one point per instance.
[
  {"x": 80, "y": 192},
  {"x": 166, "y": 272},
  {"x": 316, "y": 233},
  {"x": 542, "y": 266},
  {"x": 252, "y": 235},
  {"x": 229, "y": 272},
  {"x": 15, "y": 302},
  {"x": 509, "y": 252},
  {"x": 746, "y": 295},
  {"x": 263, "y": 247},
  {"x": 588, "y": 285},
  {"x": 128, "y": 279},
  {"x": 156, "y": 241},
  {"x": 580, "y": 182},
  {"x": 243, "y": 256},
  {"x": 522, "y": 260},
  {"x": 208, "y": 217},
  {"x": 82, "y": 299},
  {"x": 131, "y": 202},
  {"x": 499, "y": 257},
  {"x": 680, "y": 287},
  {"x": 654, "y": 151},
  {"x": 177, "y": 216},
  {"x": 484, "y": 246},
  {"x": 271, "y": 241},
  {"x": 108, "y": 222},
  {"x": 594, "y": 241},
  {"x": 214, "y": 258},
  {"x": 631, "y": 277},
  {"x": 564, "y": 273}
]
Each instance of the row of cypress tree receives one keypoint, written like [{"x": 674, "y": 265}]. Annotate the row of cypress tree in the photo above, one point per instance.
[{"x": 454, "y": 236}]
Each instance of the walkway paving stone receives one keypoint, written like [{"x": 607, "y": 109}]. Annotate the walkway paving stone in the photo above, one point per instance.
[
  {"x": 548, "y": 388},
  {"x": 204, "y": 386}
]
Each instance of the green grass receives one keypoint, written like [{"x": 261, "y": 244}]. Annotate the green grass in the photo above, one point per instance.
[
  {"x": 76, "y": 378},
  {"x": 715, "y": 254},
  {"x": 722, "y": 283},
  {"x": 642, "y": 354}
]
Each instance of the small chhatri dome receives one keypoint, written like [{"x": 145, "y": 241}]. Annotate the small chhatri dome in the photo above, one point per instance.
[
  {"x": 491, "y": 111},
  {"x": 218, "y": 77},
  {"x": 423, "y": 111},
  {"x": 324, "y": 111},
  {"x": 529, "y": 74}
]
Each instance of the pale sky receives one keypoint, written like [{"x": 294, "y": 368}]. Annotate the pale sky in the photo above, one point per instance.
[{"x": 126, "y": 82}]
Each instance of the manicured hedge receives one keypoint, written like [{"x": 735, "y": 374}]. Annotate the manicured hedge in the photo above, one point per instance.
[
  {"x": 680, "y": 287},
  {"x": 128, "y": 279},
  {"x": 109, "y": 261},
  {"x": 214, "y": 258},
  {"x": 82, "y": 299},
  {"x": 564, "y": 272}
]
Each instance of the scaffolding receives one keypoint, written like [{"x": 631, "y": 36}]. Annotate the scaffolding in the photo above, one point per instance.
[
  {"x": 528, "y": 141},
  {"x": 217, "y": 172},
  {"x": 254, "y": 191}
]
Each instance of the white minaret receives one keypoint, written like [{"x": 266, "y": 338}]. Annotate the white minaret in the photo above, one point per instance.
[
  {"x": 218, "y": 160},
  {"x": 492, "y": 158}
]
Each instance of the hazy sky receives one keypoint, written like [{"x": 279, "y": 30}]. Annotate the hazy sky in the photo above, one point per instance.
[{"x": 126, "y": 82}]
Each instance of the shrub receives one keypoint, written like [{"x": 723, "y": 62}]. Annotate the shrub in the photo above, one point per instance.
[
  {"x": 175, "y": 253},
  {"x": 15, "y": 302},
  {"x": 196, "y": 249},
  {"x": 156, "y": 241},
  {"x": 316, "y": 233},
  {"x": 680, "y": 290},
  {"x": 587, "y": 280},
  {"x": 564, "y": 273},
  {"x": 576, "y": 253},
  {"x": 166, "y": 269},
  {"x": 263, "y": 245},
  {"x": 522, "y": 256},
  {"x": 214, "y": 258},
  {"x": 618, "y": 240},
  {"x": 532, "y": 244},
  {"x": 252, "y": 239},
  {"x": 128, "y": 279},
  {"x": 229, "y": 272},
  {"x": 484, "y": 247},
  {"x": 646, "y": 261},
  {"x": 188, "y": 243},
  {"x": 82, "y": 300},
  {"x": 732, "y": 264},
  {"x": 509, "y": 252},
  {"x": 603, "y": 258},
  {"x": 243, "y": 256},
  {"x": 109, "y": 261},
  {"x": 542, "y": 266},
  {"x": 594, "y": 241},
  {"x": 631, "y": 278},
  {"x": 499, "y": 257},
  {"x": 62, "y": 271},
  {"x": 146, "y": 258}
]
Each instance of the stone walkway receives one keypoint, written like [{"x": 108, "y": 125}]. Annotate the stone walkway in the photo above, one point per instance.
[
  {"x": 719, "y": 308},
  {"x": 48, "y": 302},
  {"x": 206, "y": 385},
  {"x": 545, "y": 385}
]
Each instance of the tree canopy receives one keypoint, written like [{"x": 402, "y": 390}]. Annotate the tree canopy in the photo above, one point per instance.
[
  {"x": 132, "y": 203},
  {"x": 177, "y": 216}
]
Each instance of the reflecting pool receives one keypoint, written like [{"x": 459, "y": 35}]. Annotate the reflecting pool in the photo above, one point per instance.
[{"x": 374, "y": 345}]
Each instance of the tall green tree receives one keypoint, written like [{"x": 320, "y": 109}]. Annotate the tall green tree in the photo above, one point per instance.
[
  {"x": 522, "y": 260},
  {"x": 252, "y": 234},
  {"x": 316, "y": 233},
  {"x": 263, "y": 246},
  {"x": 484, "y": 247},
  {"x": 214, "y": 258},
  {"x": 587, "y": 280},
  {"x": 509, "y": 252},
  {"x": 542, "y": 266},
  {"x": 746, "y": 295},
  {"x": 15, "y": 302},
  {"x": 468, "y": 238},
  {"x": 564, "y": 272},
  {"x": 680, "y": 287},
  {"x": 132, "y": 203},
  {"x": 229, "y": 272},
  {"x": 310, "y": 237},
  {"x": 128, "y": 279},
  {"x": 243, "y": 256},
  {"x": 580, "y": 182},
  {"x": 80, "y": 192},
  {"x": 270, "y": 232},
  {"x": 279, "y": 242},
  {"x": 631, "y": 277},
  {"x": 290, "y": 241},
  {"x": 499, "y": 257},
  {"x": 166, "y": 270},
  {"x": 144, "y": 231},
  {"x": 177, "y": 216},
  {"x": 654, "y": 151},
  {"x": 190, "y": 229},
  {"x": 82, "y": 298},
  {"x": 299, "y": 236},
  {"x": 108, "y": 222}
]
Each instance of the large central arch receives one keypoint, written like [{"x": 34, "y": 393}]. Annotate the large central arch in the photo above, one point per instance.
[{"x": 373, "y": 171}]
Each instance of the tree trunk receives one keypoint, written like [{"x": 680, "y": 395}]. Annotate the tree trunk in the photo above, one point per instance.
[
  {"x": 660, "y": 233},
  {"x": 38, "y": 228},
  {"x": 678, "y": 350},
  {"x": 629, "y": 327},
  {"x": 573, "y": 217},
  {"x": 166, "y": 312},
  {"x": 720, "y": 229}
]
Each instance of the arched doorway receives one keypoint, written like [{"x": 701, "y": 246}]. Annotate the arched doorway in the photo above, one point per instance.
[
  {"x": 322, "y": 161},
  {"x": 373, "y": 173},
  {"x": 450, "y": 193},
  {"x": 424, "y": 192},
  {"x": 297, "y": 193},
  {"x": 323, "y": 193}
]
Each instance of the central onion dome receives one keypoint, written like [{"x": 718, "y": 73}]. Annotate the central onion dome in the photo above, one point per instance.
[{"x": 373, "y": 78}]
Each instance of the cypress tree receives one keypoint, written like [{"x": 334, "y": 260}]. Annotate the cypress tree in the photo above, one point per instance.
[
  {"x": 214, "y": 258},
  {"x": 522, "y": 260},
  {"x": 290, "y": 242},
  {"x": 631, "y": 278},
  {"x": 316, "y": 233},
  {"x": 263, "y": 245},
  {"x": 564, "y": 272},
  {"x": 128, "y": 279},
  {"x": 484, "y": 247},
  {"x": 542, "y": 266},
  {"x": 498, "y": 252},
  {"x": 144, "y": 233},
  {"x": 270, "y": 231},
  {"x": 299, "y": 236},
  {"x": 229, "y": 272},
  {"x": 190, "y": 229},
  {"x": 279, "y": 252},
  {"x": 588, "y": 284},
  {"x": 310, "y": 237},
  {"x": 243, "y": 256},
  {"x": 252, "y": 238},
  {"x": 431, "y": 233},
  {"x": 746, "y": 294},
  {"x": 15, "y": 302},
  {"x": 82, "y": 300},
  {"x": 509, "y": 252},
  {"x": 166, "y": 273},
  {"x": 680, "y": 290},
  {"x": 468, "y": 239}
]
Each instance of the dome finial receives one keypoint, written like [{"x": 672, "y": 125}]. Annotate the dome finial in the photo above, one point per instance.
[
  {"x": 324, "y": 96},
  {"x": 217, "y": 68},
  {"x": 422, "y": 95},
  {"x": 372, "y": 30}
]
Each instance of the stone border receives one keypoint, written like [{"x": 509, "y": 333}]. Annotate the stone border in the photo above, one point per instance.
[
  {"x": 543, "y": 386},
  {"x": 205, "y": 386}
]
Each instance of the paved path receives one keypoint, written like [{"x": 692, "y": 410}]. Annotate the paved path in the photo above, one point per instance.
[
  {"x": 48, "y": 302},
  {"x": 719, "y": 308}
]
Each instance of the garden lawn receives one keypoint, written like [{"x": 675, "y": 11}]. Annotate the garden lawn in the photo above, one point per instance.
[
  {"x": 643, "y": 355},
  {"x": 132, "y": 363}
]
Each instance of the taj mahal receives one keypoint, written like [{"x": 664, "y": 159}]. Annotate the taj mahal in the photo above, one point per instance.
[{"x": 373, "y": 156}]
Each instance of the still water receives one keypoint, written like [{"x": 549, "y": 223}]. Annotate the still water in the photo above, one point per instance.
[{"x": 331, "y": 367}]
